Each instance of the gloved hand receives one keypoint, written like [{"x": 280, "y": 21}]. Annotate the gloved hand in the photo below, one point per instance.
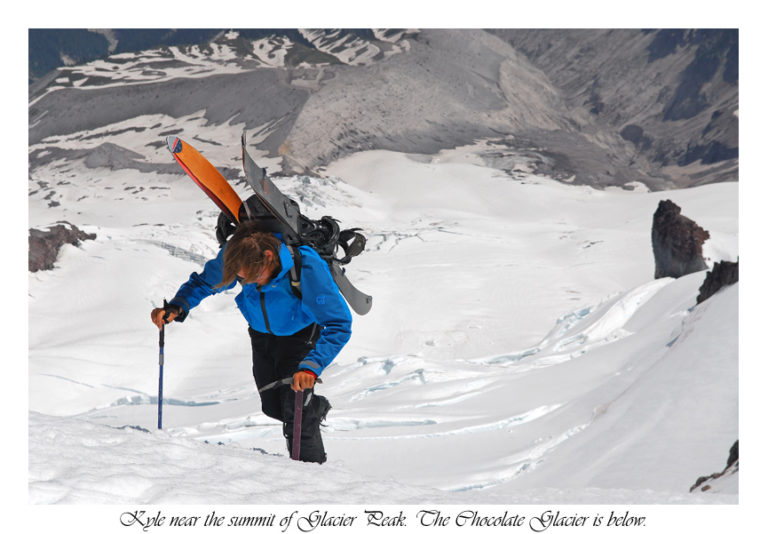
[
  {"x": 303, "y": 380},
  {"x": 161, "y": 316}
]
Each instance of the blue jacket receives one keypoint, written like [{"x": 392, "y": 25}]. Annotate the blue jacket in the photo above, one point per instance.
[{"x": 275, "y": 309}]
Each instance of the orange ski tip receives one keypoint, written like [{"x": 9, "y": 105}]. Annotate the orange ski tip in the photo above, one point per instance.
[
  {"x": 206, "y": 176},
  {"x": 174, "y": 144}
]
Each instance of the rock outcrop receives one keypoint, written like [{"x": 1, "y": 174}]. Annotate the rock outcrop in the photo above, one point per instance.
[
  {"x": 732, "y": 466},
  {"x": 677, "y": 242},
  {"x": 44, "y": 245},
  {"x": 724, "y": 273}
]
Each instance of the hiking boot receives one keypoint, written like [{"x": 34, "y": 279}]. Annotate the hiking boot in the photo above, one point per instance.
[{"x": 323, "y": 408}]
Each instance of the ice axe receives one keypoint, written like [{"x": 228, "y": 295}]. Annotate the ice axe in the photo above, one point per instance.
[
  {"x": 298, "y": 408},
  {"x": 284, "y": 382},
  {"x": 298, "y": 405}
]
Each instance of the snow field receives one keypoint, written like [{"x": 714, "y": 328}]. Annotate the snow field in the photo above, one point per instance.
[{"x": 518, "y": 350}]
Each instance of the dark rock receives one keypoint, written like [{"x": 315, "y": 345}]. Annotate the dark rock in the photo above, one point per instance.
[
  {"x": 44, "y": 245},
  {"x": 715, "y": 47},
  {"x": 733, "y": 454},
  {"x": 713, "y": 152},
  {"x": 677, "y": 242},
  {"x": 731, "y": 467},
  {"x": 664, "y": 43},
  {"x": 636, "y": 136},
  {"x": 724, "y": 273}
]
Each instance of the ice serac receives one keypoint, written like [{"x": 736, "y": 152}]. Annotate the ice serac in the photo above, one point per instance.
[{"x": 677, "y": 242}]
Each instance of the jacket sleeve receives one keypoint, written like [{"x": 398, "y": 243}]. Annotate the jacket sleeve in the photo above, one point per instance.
[
  {"x": 322, "y": 298},
  {"x": 199, "y": 286}
]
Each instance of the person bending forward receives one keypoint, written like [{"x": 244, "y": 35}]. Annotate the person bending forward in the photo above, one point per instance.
[{"x": 291, "y": 335}]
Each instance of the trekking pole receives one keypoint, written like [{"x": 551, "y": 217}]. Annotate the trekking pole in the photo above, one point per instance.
[
  {"x": 160, "y": 385},
  {"x": 298, "y": 406}
]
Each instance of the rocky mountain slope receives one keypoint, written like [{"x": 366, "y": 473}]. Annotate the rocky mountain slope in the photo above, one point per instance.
[
  {"x": 598, "y": 107},
  {"x": 672, "y": 93}
]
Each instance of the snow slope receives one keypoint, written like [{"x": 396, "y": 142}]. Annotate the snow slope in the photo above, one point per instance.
[
  {"x": 516, "y": 323},
  {"x": 518, "y": 353}
]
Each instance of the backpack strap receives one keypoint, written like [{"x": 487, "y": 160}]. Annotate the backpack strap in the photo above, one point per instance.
[{"x": 295, "y": 272}]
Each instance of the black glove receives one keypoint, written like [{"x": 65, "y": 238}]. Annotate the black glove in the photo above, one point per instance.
[{"x": 168, "y": 308}]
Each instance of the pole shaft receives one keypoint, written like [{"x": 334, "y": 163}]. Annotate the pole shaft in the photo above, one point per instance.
[
  {"x": 160, "y": 401},
  {"x": 160, "y": 384}
]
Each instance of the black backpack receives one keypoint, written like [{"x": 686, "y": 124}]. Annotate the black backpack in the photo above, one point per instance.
[{"x": 323, "y": 235}]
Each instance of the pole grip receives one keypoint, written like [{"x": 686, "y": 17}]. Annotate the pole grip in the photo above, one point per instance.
[{"x": 162, "y": 345}]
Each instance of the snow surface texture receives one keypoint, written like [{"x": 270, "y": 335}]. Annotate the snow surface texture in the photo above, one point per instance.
[{"x": 518, "y": 350}]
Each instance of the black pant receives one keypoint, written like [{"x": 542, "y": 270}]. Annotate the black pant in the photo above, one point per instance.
[{"x": 278, "y": 357}]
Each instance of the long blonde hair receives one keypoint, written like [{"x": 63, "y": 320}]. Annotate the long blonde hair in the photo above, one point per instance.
[{"x": 245, "y": 251}]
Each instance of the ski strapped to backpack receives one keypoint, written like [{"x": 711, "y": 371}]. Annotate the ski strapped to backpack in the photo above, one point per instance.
[{"x": 278, "y": 213}]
